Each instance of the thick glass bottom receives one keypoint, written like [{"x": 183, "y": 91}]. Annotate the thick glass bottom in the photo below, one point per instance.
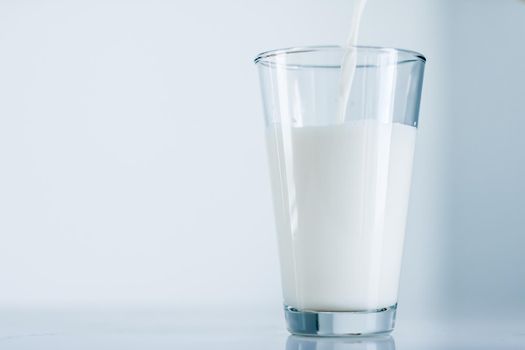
[{"x": 338, "y": 324}]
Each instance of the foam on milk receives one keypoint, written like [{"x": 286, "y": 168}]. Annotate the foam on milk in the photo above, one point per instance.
[{"x": 340, "y": 198}]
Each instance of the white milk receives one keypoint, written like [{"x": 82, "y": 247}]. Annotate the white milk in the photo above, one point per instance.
[
  {"x": 349, "y": 63},
  {"x": 340, "y": 198}
]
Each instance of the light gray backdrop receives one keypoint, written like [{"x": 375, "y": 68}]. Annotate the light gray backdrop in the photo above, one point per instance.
[{"x": 133, "y": 169}]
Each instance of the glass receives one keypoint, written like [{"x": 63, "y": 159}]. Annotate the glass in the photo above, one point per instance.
[{"x": 340, "y": 169}]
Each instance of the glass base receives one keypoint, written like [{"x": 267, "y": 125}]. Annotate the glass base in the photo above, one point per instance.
[{"x": 338, "y": 323}]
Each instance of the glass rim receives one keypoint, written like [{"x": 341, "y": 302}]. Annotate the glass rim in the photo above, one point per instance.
[{"x": 264, "y": 57}]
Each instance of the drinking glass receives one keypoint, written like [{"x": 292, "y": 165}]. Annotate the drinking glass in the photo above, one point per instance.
[{"x": 340, "y": 167}]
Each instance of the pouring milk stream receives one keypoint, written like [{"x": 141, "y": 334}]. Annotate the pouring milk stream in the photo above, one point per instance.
[{"x": 349, "y": 63}]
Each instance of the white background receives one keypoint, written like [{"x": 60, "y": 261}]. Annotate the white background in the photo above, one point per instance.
[{"x": 133, "y": 169}]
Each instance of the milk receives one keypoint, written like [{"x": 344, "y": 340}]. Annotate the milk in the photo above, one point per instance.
[
  {"x": 349, "y": 62},
  {"x": 340, "y": 198}
]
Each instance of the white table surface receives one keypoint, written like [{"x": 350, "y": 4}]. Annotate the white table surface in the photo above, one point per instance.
[{"x": 167, "y": 328}]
